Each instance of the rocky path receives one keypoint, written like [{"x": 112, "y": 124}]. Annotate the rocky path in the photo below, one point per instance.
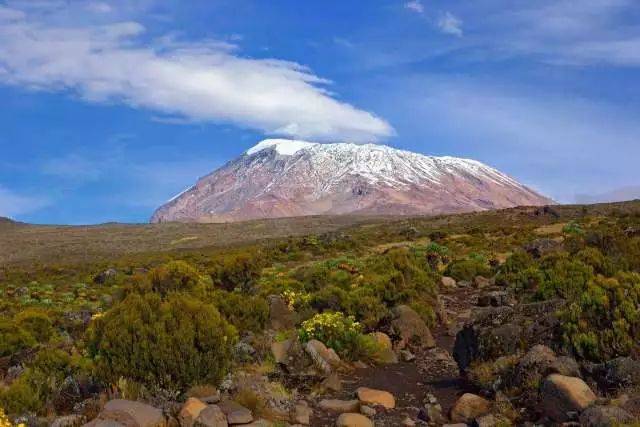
[{"x": 432, "y": 374}]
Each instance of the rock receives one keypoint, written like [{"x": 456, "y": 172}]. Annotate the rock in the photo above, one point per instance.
[
  {"x": 353, "y": 420},
  {"x": 433, "y": 414},
  {"x": 565, "y": 365},
  {"x": 448, "y": 282},
  {"x": 485, "y": 421},
  {"x": 302, "y": 413},
  {"x": 408, "y": 422},
  {"x": 105, "y": 276},
  {"x": 561, "y": 395},
  {"x": 481, "y": 282},
  {"x": 407, "y": 356},
  {"x": 540, "y": 247},
  {"x": 130, "y": 414},
  {"x": 499, "y": 331},
  {"x": 339, "y": 406},
  {"x": 244, "y": 352},
  {"x": 410, "y": 327},
  {"x": 190, "y": 411},
  {"x": 332, "y": 383},
  {"x": 281, "y": 317},
  {"x": 618, "y": 373},
  {"x": 385, "y": 354},
  {"x": 493, "y": 299},
  {"x": 259, "y": 423},
  {"x": 325, "y": 359},
  {"x": 605, "y": 416},
  {"x": 236, "y": 413},
  {"x": 534, "y": 366},
  {"x": 211, "y": 416},
  {"x": 469, "y": 407},
  {"x": 370, "y": 396},
  {"x": 74, "y": 420},
  {"x": 280, "y": 351},
  {"x": 368, "y": 411}
]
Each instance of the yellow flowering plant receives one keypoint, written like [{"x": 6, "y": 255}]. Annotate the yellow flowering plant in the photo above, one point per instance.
[
  {"x": 335, "y": 330},
  {"x": 5, "y": 422}
]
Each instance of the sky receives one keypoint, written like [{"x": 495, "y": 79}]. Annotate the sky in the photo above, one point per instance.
[{"x": 109, "y": 108}]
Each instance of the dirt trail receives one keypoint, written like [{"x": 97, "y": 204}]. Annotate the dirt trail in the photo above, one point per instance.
[{"x": 432, "y": 372}]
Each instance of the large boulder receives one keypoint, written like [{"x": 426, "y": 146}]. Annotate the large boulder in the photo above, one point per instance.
[
  {"x": 500, "y": 331},
  {"x": 325, "y": 359},
  {"x": 605, "y": 416},
  {"x": 236, "y": 413},
  {"x": 534, "y": 367},
  {"x": 281, "y": 317},
  {"x": 385, "y": 353},
  {"x": 211, "y": 416},
  {"x": 618, "y": 373},
  {"x": 409, "y": 327},
  {"x": 190, "y": 411},
  {"x": 130, "y": 414},
  {"x": 562, "y": 395},
  {"x": 469, "y": 407},
  {"x": 353, "y": 420},
  {"x": 371, "y": 396}
]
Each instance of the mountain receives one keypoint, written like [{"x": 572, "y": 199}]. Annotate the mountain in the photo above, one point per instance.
[
  {"x": 279, "y": 178},
  {"x": 617, "y": 195}
]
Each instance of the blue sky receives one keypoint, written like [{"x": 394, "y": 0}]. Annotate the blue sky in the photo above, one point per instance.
[{"x": 108, "y": 108}]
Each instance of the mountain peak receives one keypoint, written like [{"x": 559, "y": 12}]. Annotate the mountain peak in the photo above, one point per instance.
[
  {"x": 285, "y": 147},
  {"x": 282, "y": 177}
]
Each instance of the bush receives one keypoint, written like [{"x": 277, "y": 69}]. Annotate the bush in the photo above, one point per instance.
[
  {"x": 175, "y": 276},
  {"x": 568, "y": 279},
  {"x": 605, "y": 321},
  {"x": 170, "y": 343},
  {"x": 246, "y": 313},
  {"x": 240, "y": 271},
  {"x": 467, "y": 269},
  {"x": 337, "y": 331},
  {"x": 13, "y": 338},
  {"x": 37, "y": 323}
]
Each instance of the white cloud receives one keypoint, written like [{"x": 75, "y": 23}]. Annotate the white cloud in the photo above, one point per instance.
[
  {"x": 201, "y": 81},
  {"x": 99, "y": 7},
  {"x": 12, "y": 204},
  {"x": 450, "y": 24},
  {"x": 415, "y": 6}
]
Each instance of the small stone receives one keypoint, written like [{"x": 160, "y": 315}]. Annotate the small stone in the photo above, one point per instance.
[
  {"x": 468, "y": 407},
  {"x": 408, "y": 422},
  {"x": 605, "y": 416},
  {"x": 68, "y": 421},
  {"x": 368, "y": 411},
  {"x": 448, "y": 282},
  {"x": 407, "y": 356},
  {"x": 372, "y": 396},
  {"x": 190, "y": 411},
  {"x": 236, "y": 413},
  {"x": 302, "y": 413},
  {"x": 332, "y": 382},
  {"x": 353, "y": 420},
  {"x": 485, "y": 421},
  {"x": 339, "y": 406}
]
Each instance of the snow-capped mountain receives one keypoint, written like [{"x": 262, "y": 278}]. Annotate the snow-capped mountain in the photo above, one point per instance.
[{"x": 279, "y": 178}]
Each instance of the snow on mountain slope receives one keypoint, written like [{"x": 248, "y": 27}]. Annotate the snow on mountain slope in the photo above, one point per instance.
[{"x": 278, "y": 178}]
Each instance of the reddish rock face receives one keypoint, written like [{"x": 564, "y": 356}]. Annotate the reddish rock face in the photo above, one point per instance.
[{"x": 280, "y": 178}]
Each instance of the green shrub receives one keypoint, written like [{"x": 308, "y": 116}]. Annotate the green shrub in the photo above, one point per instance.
[
  {"x": 238, "y": 271},
  {"x": 568, "y": 279},
  {"x": 37, "y": 323},
  {"x": 169, "y": 343},
  {"x": 604, "y": 322},
  {"x": 467, "y": 269},
  {"x": 175, "y": 276},
  {"x": 513, "y": 266},
  {"x": 13, "y": 338},
  {"x": 245, "y": 312}
]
